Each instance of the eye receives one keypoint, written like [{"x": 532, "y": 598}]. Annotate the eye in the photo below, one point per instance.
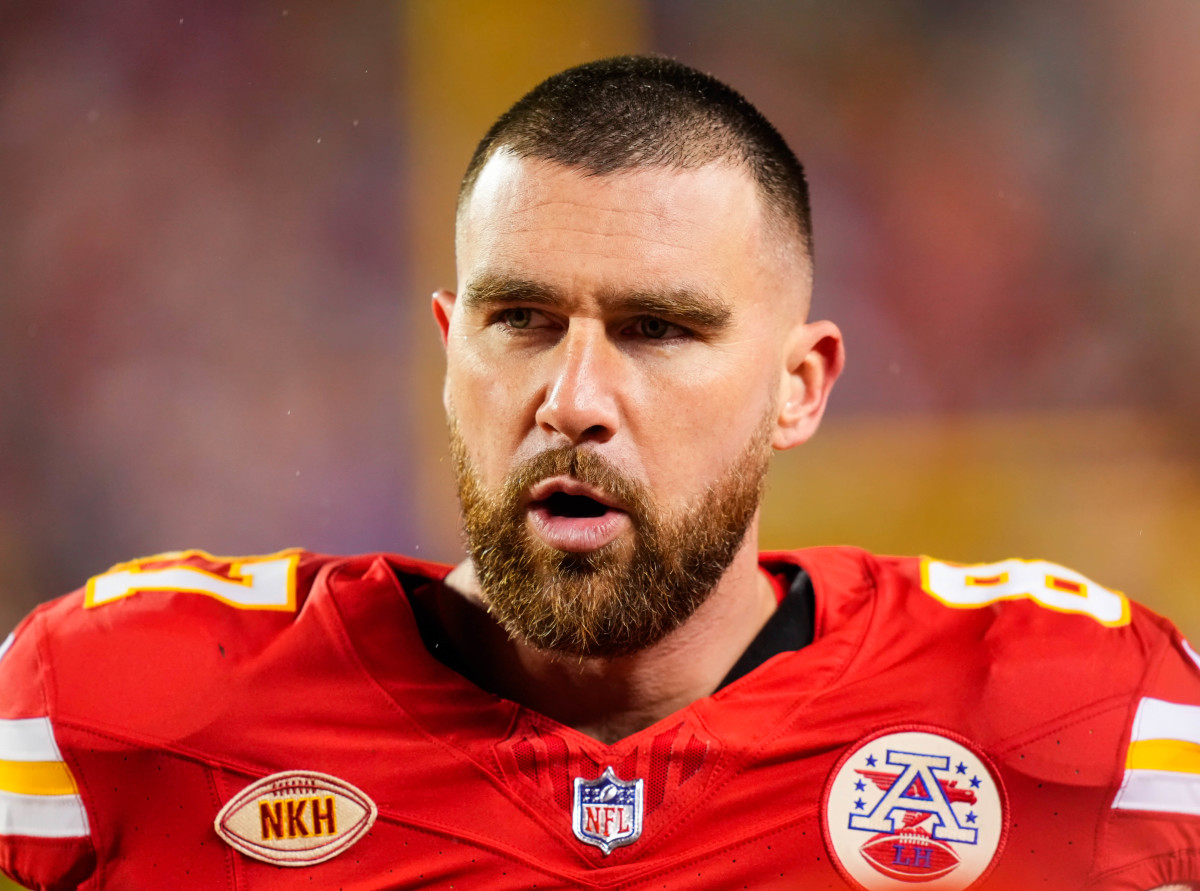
[
  {"x": 517, "y": 318},
  {"x": 653, "y": 328},
  {"x": 521, "y": 318}
]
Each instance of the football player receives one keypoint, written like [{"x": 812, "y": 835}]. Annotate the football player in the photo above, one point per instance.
[{"x": 614, "y": 689}]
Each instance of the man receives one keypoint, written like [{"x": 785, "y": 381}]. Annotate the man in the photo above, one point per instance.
[{"x": 613, "y": 689}]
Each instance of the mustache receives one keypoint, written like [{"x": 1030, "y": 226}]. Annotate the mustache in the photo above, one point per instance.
[{"x": 585, "y": 466}]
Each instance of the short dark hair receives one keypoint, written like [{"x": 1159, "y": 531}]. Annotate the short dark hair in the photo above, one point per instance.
[{"x": 648, "y": 111}]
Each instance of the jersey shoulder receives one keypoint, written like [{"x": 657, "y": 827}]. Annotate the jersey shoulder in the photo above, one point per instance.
[
  {"x": 1016, "y": 596},
  {"x": 153, "y": 616},
  {"x": 198, "y": 594},
  {"x": 143, "y": 656},
  {"x": 1090, "y": 688},
  {"x": 1026, "y": 643},
  {"x": 1069, "y": 684},
  {"x": 179, "y": 621}
]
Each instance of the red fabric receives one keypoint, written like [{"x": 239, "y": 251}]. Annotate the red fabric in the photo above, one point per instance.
[
  {"x": 47, "y": 864},
  {"x": 167, "y": 705}
]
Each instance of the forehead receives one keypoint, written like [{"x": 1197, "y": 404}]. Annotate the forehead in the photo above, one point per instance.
[{"x": 698, "y": 228}]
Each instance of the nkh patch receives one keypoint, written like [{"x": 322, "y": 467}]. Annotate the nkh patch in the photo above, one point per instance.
[
  {"x": 296, "y": 818},
  {"x": 607, "y": 811},
  {"x": 914, "y": 805}
]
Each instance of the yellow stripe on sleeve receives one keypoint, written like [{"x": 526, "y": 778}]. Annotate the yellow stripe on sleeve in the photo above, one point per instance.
[
  {"x": 37, "y": 778},
  {"x": 1171, "y": 755}
]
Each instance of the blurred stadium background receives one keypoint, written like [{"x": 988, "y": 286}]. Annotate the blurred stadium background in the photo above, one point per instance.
[{"x": 220, "y": 223}]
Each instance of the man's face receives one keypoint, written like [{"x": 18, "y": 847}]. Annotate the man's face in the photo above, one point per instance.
[{"x": 615, "y": 365}]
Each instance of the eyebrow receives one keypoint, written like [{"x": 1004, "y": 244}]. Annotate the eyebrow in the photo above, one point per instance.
[
  {"x": 491, "y": 290},
  {"x": 687, "y": 306}
]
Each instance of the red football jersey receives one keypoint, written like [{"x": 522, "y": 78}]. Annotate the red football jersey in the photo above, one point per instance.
[{"x": 190, "y": 721}]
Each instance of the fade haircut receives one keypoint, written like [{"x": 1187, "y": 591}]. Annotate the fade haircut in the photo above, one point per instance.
[{"x": 649, "y": 111}]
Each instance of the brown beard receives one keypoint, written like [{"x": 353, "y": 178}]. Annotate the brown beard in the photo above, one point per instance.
[{"x": 620, "y": 598}]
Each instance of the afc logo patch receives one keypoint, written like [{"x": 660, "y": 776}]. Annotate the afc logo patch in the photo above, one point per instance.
[
  {"x": 607, "y": 811},
  {"x": 914, "y": 806}
]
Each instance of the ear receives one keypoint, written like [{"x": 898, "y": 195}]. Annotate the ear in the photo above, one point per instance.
[
  {"x": 443, "y": 307},
  {"x": 814, "y": 355},
  {"x": 443, "y": 310}
]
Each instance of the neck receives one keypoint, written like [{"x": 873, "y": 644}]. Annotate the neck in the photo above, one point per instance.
[{"x": 611, "y": 698}]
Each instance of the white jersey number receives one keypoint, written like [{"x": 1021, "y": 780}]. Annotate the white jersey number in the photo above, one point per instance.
[
  {"x": 1047, "y": 584},
  {"x": 267, "y": 583}
]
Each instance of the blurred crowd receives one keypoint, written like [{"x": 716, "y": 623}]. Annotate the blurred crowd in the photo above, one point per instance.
[{"x": 206, "y": 245}]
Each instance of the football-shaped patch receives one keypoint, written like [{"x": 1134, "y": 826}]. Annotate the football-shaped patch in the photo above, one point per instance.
[
  {"x": 910, "y": 856},
  {"x": 296, "y": 818}
]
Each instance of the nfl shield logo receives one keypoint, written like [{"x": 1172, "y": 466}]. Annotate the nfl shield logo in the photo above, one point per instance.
[{"x": 607, "y": 811}]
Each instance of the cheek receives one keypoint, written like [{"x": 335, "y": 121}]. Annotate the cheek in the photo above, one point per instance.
[
  {"x": 715, "y": 395},
  {"x": 693, "y": 426},
  {"x": 476, "y": 375},
  {"x": 492, "y": 407}
]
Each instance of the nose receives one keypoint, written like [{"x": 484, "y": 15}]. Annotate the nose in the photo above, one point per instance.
[{"x": 580, "y": 401}]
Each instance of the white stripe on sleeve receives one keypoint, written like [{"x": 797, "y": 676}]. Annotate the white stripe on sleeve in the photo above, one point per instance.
[
  {"x": 43, "y": 816},
  {"x": 1159, "y": 719},
  {"x": 1160, "y": 790},
  {"x": 7, "y": 645},
  {"x": 28, "y": 739}
]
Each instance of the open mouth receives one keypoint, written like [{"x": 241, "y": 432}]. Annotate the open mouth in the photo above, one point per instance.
[
  {"x": 570, "y": 516},
  {"x": 560, "y": 504}
]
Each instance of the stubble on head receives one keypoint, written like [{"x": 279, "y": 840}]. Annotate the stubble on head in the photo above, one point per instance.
[{"x": 627, "y": 595}]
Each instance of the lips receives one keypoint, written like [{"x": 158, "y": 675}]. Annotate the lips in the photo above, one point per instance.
[
  {"x": 572, "y": 516},
  {"x": 566, "y": 485}
]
